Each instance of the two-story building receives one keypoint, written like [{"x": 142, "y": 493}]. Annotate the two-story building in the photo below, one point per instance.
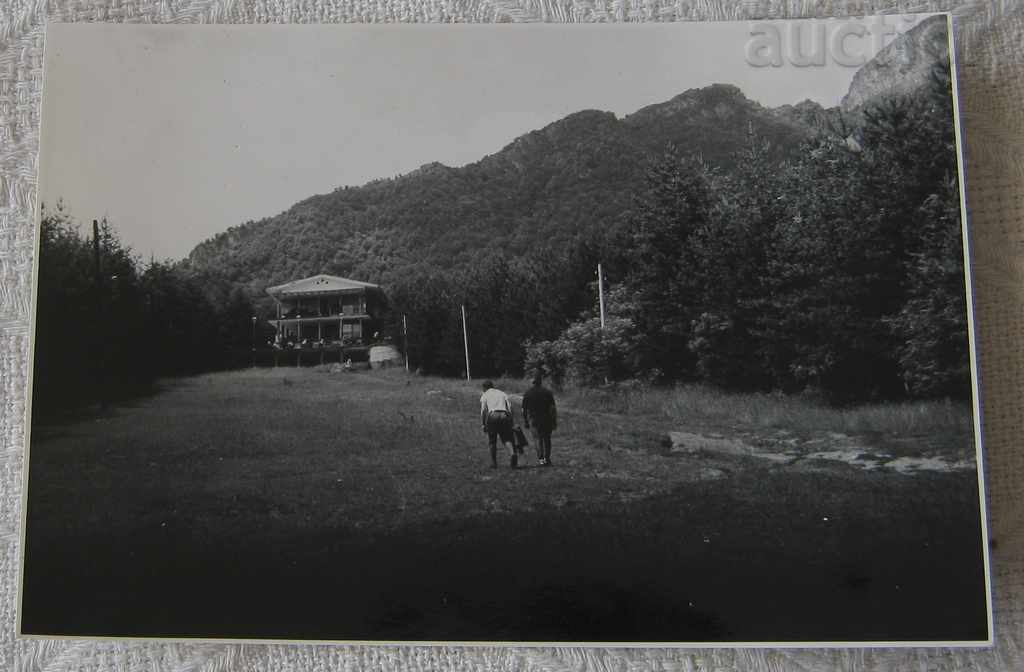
[{"x": 336, "y": 310}]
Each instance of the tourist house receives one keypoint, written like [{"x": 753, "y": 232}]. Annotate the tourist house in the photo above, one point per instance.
[{"x": 327, "y": 308}]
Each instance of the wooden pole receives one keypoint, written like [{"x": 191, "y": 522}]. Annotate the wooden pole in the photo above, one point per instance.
[
  {"x": 96, "y": 255},
  {"x": 405, "y": 341},
  {"x": 101, "y": 373},
  {"x": 600, "y": 293},
  {"x": 465, "y": 339}
]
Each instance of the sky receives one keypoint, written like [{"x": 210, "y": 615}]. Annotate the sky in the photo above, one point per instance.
[{"x": 176, "y": 133}]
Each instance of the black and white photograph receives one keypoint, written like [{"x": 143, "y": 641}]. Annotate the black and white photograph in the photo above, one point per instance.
[{"x": 509, "y": 334}]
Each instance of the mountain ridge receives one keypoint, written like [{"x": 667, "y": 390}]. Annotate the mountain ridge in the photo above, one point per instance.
[
  {"x": 901, "y": 67},
  {"x": 544, "y": 186},
  {"x": 573, "y": 177}
]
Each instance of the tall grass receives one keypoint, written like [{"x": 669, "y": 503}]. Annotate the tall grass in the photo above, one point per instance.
[
  {"x": 715, "y": 409},
  {"x": 694, "y": 403}
]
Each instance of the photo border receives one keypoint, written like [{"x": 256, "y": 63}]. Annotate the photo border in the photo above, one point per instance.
[{"x": 782, "y": 645}]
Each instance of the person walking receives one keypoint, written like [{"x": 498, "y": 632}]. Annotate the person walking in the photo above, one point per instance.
[
  {"x": 539, "y": 410},
  {"x": 496, "y": 418}
]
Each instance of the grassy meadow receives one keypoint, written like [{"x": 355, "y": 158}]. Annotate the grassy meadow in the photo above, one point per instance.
[{"x": 296, "y": 503}]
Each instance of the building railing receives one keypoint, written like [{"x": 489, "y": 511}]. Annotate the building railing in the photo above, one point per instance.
[{"x": 347, "y": 311}]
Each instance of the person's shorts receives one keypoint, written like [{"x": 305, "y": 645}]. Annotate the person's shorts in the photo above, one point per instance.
[{"x": 499, "y": 424}]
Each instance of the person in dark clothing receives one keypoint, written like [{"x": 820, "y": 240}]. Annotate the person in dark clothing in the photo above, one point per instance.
[{"x": 540, "y": 413}]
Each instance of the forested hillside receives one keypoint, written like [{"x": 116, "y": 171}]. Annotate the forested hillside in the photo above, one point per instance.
[{"x": 571, "y": 179}]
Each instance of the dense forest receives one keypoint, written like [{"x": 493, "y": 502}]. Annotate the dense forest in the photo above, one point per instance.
[
  {"x": 795, "y": 249},
  {"x": 108, "y": 325}
]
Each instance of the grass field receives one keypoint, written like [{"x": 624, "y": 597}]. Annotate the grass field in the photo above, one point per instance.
[{"x": 293, "y": 503}]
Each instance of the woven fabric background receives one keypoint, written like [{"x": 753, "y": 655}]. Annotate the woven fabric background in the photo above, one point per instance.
[{"x": 990, "y": 45}]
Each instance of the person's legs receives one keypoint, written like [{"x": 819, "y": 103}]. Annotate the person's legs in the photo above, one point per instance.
[
  {"x": 547, "y": 448},
  {"x": 505, "y": 433},
  {"x": 492, "y": 438},
  {"x": 538, "y": 442}
]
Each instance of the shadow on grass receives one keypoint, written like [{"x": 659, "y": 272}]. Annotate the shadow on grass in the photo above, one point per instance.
[
  {"x": 692, "y": 566},
  {"x": 52, "y": 419}
]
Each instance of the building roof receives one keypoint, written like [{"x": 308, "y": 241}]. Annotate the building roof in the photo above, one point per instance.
[{"x": 317, "y": 284}]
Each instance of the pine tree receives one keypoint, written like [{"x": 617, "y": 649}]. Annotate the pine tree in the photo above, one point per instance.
[
  {"x": 730, "y": 271},
  {"x": 671, "y": 214}
]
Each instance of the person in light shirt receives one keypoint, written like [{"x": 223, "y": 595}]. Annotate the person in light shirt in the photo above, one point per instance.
[{"x": 496, "y": 418}]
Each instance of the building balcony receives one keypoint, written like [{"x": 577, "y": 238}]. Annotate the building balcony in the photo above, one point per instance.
[{"x": 312, "y": 317}]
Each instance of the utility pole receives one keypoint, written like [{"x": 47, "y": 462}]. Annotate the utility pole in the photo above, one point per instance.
[
  {"x": 96, "y": 255},
  {"x": 102, "y": 349},
  {"x": 465, "y": 339},
  {"x": 405, "y": 341},
  {"x": 252, "y": 342},
  {"x": 600, "y": 293}
]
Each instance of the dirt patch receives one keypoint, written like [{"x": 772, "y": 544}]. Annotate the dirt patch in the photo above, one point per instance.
[
  {"x": 910, "y": 465},
  {"x": 854, "y": 458},
  {"x": 832, "y": 447},
  {"x": 687, "y": 443}
]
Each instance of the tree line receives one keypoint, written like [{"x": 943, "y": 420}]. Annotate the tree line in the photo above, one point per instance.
[{"x": 107, "y": 324}]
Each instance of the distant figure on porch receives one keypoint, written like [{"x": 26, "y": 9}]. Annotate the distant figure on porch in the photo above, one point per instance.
[
  {"x": 496, "y": 418},
  {"x": 540, "y": 413}
]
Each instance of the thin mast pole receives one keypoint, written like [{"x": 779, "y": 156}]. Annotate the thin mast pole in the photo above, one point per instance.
[
  {"x": 600, "y": 292},
  {"x": 465, "y": 339},
  {"x": 100, "y": 306},
  {"x": 405, "y": 341}
]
